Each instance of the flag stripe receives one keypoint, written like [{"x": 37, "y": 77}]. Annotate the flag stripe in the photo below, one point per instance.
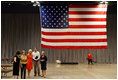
[
  {"x": 73, "y": 33},
  {"x": 75, "y": 37},
  {"x": 87, "y": 19},
  {"x": 87, "y": 9},
  {"x": 75, "y": 43},
  {"x": 75, "y": 30},
  {"x": 87, "y": 6},
  {"x": 87, "y": 16},
  {"x": 74, "y": 40},
  {"x": 87, "y": 12},
  {"x": 74, "y": 47},
  {"x": 87, "y": 23},
  {"x": 87, "y": 26}
]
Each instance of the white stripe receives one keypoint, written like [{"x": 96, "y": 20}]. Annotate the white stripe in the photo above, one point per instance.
[
  {"x": 76, "y": 37},
  {"x": 74, "y": 43},
  {"x": 87, "y": 23},
  {"x": 87, "y": 9},
  {"x": 75, "y": 30},
  {"x": 87, "y": 16}
]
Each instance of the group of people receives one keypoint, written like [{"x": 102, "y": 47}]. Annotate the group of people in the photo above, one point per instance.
[
  {"x": 27, "y": 62},
  {"x": 33, "y": 58}
]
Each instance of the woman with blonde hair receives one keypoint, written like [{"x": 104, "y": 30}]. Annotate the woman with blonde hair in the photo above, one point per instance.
[
  {"x": 23, "y": 62},
  {"x": 29, "y": 66}
]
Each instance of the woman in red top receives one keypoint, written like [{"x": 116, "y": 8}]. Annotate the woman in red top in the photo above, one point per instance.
[
  {"x": 90, "y": 58},
  {"x": 29, "y": 66}
]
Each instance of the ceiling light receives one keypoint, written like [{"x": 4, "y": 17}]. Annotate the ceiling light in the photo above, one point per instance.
[
  {"x": 102, "y": 2},
  {"x": 37, "y": 2},
  {"x": 34, "y": 4},
  {"x": 32, "y": 1},
  {"x": 106, "y": 2}
]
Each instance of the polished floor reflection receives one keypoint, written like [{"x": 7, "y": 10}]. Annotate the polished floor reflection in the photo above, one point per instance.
[{"x": 78, "y": 71}]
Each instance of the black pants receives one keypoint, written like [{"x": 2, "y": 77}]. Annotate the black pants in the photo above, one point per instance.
[
  {"x": 23, "y": 71},
  {"x": 90, "y": 61}
]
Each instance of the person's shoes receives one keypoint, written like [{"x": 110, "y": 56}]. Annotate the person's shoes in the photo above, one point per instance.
[
  {"x": 42, "y": 76},
  {"x": 39, "y": 75}
]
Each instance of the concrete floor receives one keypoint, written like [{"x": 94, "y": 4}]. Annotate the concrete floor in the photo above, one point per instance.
[{"x": 77, "y": 71}]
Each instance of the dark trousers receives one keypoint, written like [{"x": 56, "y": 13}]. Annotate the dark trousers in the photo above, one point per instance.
[
  {"x": 36, "y": 67},
  {"x": 90, "y": 61},
  {"x": 23, "y": 71}
]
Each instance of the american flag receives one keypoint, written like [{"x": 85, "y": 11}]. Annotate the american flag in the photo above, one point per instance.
[{"x": 73, "y": 26}]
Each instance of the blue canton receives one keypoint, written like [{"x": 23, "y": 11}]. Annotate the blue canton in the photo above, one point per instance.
[{"x": 54, "y": 16}]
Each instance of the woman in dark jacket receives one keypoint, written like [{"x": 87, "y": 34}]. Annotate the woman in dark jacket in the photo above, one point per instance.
[
  {"x": 43, "y": 60},
  {"x": 16, "y": 64}
]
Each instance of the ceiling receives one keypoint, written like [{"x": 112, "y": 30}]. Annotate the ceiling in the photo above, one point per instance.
[{"x": 27, "y": 6}]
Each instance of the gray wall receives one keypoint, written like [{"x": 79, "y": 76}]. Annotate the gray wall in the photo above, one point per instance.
[{"x": 23, "y": 31}]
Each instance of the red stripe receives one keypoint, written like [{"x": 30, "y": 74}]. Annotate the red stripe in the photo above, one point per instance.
[
  {"x": 87, "y": 6},
  {"x": 73, "y": 33},
  {"x": 74, "y": 40},
  {"x": 87, "y": 26},
  {"x": 74, "y": 47},
  {"x": 87, "y": 19},
  {"x": 87, "y": 12}
]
